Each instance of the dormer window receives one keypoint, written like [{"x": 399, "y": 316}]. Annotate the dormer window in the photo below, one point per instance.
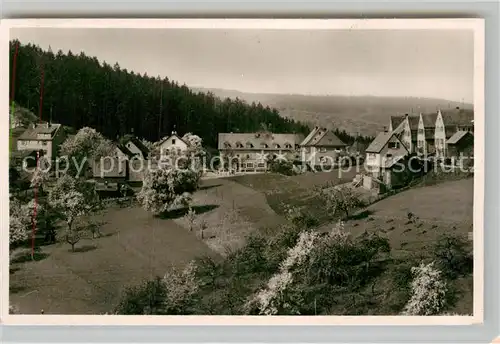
[
  {"x": 264, "y": 145},
  {"x": 287, "y": 145},
  {"x": 249, "y": 145},
  {"x": 227, "y": 145},
  {"x": 277, "y": 146},
  {"x": 239, "y": 145}
]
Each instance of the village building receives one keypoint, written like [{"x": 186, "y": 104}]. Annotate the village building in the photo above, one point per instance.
[
  {"x": 406, "y": 129},
  {"x": 44, "y": 138},
  {"x": 111, "y": 172},
  {"x": 461, "y": 144},
  {"x": 172, "y": 144},
  {"x": 448, "y": 123},
  {"x": 382, "y": 156},
  {"x": 322, "y": 147},
  {"x": 251, "y": 151},
  {"x": 136, "y": 147},
  {"x": 426, "y": 132}
]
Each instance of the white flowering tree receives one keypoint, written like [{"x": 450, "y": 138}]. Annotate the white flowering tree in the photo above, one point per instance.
[
  {"x": 40, "y": 178},
  {"x": 19, "y": 223},
  {"x": 71, "y": 200},
  {"x": 87, "y": 145},
  {"x": 340, "y": 201},
  {"x": 272, "y": 299},
  {"x": 428, "y": 291},
  {"x": 164, "y": 188}
]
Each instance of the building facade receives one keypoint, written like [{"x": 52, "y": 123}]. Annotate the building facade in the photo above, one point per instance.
[
  {"x": 322, "y": 147},
  {"x": 426, "y": 134},
  {"x": 249, "y": 152},
  {"x": 44, "y": 138},
  {"x": 449, "y": 122}
]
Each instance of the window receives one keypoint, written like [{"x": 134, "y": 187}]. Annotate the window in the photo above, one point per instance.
[
  {"x": 371, "y": 155},
  {"x": 394, "y": 145},
  {"x": 173, "y": 141},
  {"x": 248, "y": 156},
  {"x": 322, "y": 150},
  {"x": 44, "y": 143},
  {"x": 249, "y": 145},
  {"x": 277, "y": 146},
  {"x": 420, "y": 131},
  {"x": 250, "y": 164},
  {"x": 261, "y": 165},
  {"x": 388, "y": 156}
]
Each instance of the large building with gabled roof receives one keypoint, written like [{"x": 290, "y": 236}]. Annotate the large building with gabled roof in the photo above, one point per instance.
[
  {"x": 252, "y": 151},
  {"x": 322, "y": 146}
]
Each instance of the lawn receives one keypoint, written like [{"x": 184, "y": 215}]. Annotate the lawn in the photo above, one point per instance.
[
  {"x": 238, "y": 211},
  {"x": 295, "y": 190},
  {"x": 445, "y": 208},
  {"x": 135, "y": 246}
]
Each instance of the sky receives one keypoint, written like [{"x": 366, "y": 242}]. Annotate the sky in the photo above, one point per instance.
[{"x": 408, "y": 63}]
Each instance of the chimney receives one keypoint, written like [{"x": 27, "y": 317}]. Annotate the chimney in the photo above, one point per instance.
[
  {"x": 131, "y": 130},
  {"x": 458, "y": 107},
  {"x": 406, "y": 115},
  {"x": 385, "y": 129}
]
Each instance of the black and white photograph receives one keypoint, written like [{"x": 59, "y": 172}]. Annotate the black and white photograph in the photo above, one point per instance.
[{"x": 246, "y": 170}]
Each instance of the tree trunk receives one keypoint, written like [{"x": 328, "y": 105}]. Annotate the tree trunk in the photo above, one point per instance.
[{"x": 73, "y": 247}]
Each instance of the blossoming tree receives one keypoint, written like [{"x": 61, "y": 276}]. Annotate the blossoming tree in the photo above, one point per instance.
[
  {"x": 70, "y": 199},
  {"x": 167, "y": 187},
  {"x": 87, "y": 145},
  {"x": 428, "y": 291}
]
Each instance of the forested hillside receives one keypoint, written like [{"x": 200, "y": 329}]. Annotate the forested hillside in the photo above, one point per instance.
[{"x": 80, "y": 90}]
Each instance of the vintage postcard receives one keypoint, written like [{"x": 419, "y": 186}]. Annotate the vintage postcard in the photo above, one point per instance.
[{"x": 226, "y": 171}]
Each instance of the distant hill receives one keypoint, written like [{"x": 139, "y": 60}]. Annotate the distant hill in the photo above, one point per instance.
[{"x": 366, "y": 114}]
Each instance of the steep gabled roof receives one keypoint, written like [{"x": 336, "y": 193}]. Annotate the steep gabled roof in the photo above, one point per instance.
[
  {"x": 176, "y": 136},
  {"x": 379, "y": 142},
  {"x": 258, "y": 140},
  {"x": 329, "y": 139},
  {"x": 125, "y": 150},
  {"x": 413, "y": 122},
  {"x": 459, "y": 135},
  {"x": 310, "y": 136},
  {"x": 457, "y": 117},
  {"x": 144, "y": 150},
  {"x": 41, "y": 128},
  {"x": 396, "y": 121},
  {"x": 429, "y": 120},
  {"x": 322, "y": 137}
]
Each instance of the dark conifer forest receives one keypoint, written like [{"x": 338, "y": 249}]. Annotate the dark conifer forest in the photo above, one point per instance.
[{"x": 80, "y": 90}]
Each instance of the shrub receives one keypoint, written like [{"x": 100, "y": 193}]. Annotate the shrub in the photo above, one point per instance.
[
  {"x": 282, "y": 167},
  {"x": 453, "y": 256}
]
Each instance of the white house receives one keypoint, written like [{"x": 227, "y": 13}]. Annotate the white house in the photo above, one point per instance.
[
  {"x": 425, "y": 135},
  {"x": 173, "y": 143},
  {"x": 382, "y": 154},
  {"x": 44, "y": 138},
  {"x": 449, "y": 122},
  {"x": 322, "y": 146}
]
